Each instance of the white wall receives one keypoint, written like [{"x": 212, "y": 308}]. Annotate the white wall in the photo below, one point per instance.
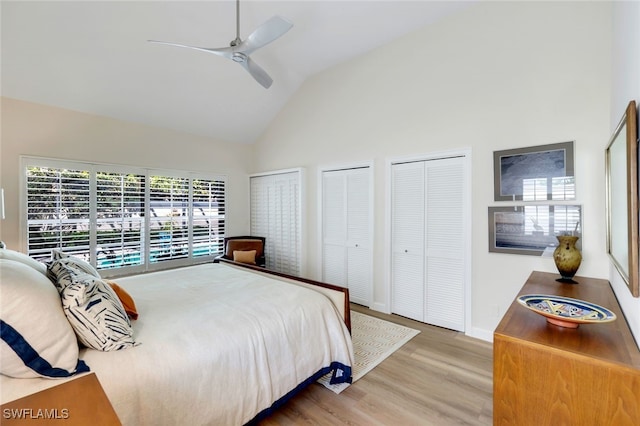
[
  {"x": 45, "y": 131},
  {"x": 625, "y": 87},
  {"x": 498, "y": 75}
]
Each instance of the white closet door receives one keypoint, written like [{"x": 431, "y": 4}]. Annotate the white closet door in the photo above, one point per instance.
[
  {"x": 358, "y": 236},
  {"x": 346, "y": 224},
  {"x": 407, "y": 231},
  {"x": 275, "y": 215},
  {"x": 445, "y": 235},
  {"x": 334, "y": 229}
]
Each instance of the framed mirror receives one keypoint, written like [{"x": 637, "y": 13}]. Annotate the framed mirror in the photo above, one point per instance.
[{"x": 621, "y": 157}]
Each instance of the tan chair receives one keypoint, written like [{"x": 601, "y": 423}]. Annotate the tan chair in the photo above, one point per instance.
[{"x": 243, "y": 245}]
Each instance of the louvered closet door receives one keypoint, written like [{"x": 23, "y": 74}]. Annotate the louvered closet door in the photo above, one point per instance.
[
  {"x": 346, "y": 219},
  {"x": 334, "y": 229},
  {"x": 358, "y": 236},
  {"x": 445, "y": 236},
  {"x": 275, "y": 215},
  {"x": 407, "y": 233}
]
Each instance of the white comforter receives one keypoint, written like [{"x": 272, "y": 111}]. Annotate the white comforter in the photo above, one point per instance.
[{"x": 218, "y": 346}]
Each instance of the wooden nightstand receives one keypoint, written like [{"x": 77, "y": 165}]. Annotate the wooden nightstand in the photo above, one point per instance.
[{"x": 77, "y": 402}]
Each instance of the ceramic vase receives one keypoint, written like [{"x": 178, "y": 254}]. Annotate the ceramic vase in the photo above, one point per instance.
[{"x": 567, "y": 257}]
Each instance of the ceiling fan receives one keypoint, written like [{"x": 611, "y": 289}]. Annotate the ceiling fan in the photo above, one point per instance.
[{"x": 240, "y": 50}]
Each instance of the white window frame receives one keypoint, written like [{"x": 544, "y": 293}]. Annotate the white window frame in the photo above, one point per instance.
[{"x": 93, "y": 167}]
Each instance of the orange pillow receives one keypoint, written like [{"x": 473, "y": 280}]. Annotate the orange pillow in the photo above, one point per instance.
[
  {"x": 248, "y": 256},
  {"x": 126, "y": 299}
]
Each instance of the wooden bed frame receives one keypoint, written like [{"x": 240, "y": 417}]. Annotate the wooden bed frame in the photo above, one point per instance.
[{"x": 297, "y": 280}]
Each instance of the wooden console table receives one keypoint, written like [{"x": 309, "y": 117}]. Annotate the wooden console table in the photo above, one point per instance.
[{"x": 549, "y": 375}]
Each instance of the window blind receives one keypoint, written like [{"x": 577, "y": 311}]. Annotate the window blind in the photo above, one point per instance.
[
  {"x": 120, "y": 207},
  {"x": 117, "y": 217},
  {"x": 168, "y": 221},
  {"x": 208, "y": 217},
  {"x": 58, "y": 210}
]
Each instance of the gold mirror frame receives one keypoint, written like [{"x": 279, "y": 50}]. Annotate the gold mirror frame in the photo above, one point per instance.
[{"x": 621, "y": 156}]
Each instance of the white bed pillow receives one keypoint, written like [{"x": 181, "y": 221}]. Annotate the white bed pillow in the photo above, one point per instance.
[
  {"x": 92, "y": 307},
  {"x": 37, "y": 340},
  {"x": 23, "y": 258}
]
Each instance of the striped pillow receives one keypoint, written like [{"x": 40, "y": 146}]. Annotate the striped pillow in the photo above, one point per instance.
[
  {"x": 75, "y": 262},
  {"x": 92, "y": 308}
]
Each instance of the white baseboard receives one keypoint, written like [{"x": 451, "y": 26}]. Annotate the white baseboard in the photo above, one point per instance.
[
  {"x": 380, "y": 307},
  {"x": 477, "y": 333},
  {"x": 481, "y": 334}
]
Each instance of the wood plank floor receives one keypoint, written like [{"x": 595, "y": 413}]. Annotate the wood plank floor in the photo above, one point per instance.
[{"x": 440, "y": 377}]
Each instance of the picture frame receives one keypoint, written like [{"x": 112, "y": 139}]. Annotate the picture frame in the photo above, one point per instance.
[
  {"x": 537, "y": 173},
  {"x": 621, "y": 170},
  {"x": 532, "y": 229}
]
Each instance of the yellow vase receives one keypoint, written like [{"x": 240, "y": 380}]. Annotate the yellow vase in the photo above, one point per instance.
[{"x": 567, "y": 257}]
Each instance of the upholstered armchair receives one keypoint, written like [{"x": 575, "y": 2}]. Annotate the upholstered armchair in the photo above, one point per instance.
[{"x": 245, "y": 249}]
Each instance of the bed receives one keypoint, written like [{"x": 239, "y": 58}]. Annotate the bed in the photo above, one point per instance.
[{"x": 216, "y": 343}]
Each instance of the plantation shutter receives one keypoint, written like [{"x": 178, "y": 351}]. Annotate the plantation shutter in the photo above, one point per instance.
[
  {"x": 121, "y": 217},
  {"x": 168, "y": 221},
  {"x": 120, "y": 207},
  {"x": 208, "y": 216},
  {"x": 58, "y": 211},
  {"x": 275, "y": 215}
]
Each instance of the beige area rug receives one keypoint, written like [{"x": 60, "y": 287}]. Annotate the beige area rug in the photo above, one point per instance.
[{"x": 373, "y": 341}]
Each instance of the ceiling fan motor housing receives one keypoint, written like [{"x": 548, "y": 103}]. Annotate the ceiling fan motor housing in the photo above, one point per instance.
[{"x": 239, "y": 57}]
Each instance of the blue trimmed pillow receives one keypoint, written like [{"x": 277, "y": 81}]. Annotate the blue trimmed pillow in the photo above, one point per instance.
[
  {"x": 92, "y": 307},
  {"x": 36, "y": 338}
]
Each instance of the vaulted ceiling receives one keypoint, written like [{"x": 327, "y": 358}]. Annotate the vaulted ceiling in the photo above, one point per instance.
[{"x": 93, "y": 56}]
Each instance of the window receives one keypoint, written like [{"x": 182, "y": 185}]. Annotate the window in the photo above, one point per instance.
[
  {"x": 116, "y": 217},
  {"x": 58, "y": 210},
  {"x": 119, "y": 219}
]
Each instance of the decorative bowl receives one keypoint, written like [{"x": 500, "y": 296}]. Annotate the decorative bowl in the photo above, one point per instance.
[{"x": 566, "y": 312}]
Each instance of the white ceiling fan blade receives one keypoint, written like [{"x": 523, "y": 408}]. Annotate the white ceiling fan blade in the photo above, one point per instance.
[
  {"x": 257, "y": 72},
  {"x": 227, "y": 52},
  {"x": 265, "y": 34}
]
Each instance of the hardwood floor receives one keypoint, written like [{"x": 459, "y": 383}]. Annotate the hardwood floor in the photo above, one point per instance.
[{"x": 440, "y": 377}]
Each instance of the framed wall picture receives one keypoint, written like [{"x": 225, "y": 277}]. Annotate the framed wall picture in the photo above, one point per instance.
[
  {"x": 621, "y": 167},
  {"x": 532, "y": 229},
  {"x": 538, "y": 173}
]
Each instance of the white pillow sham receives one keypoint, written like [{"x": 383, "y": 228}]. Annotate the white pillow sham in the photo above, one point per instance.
[
  {"x": 36, "y": 338},
  {"x": 23, "y": 258}
]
